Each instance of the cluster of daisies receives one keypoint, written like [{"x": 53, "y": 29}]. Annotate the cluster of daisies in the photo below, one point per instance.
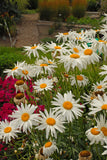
[{"x": 56, "y": 63}]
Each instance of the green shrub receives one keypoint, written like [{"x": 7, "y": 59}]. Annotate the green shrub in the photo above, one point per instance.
[
  {"x": 9, "y": 56},
  {"x": 22, "y": 4},
  {"x": 79, "y": 8}
]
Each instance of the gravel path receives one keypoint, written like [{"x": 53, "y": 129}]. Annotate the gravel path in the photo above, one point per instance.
[{"x": 27, "y": 31}]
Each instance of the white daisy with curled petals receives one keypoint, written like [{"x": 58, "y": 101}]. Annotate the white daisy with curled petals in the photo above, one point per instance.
[
  {"x": 20, "y": 85},
  {"x": 14, "y": 71},
  {"x": 95, "y": 135},
  {"x": 51, "y": 122},
  {"x": 49, "y": 148},
  {"x": 73, "y": 60},
  {"x": 56, "y": 49},
  {"x": 8, "y": 130},
  {"x": 67, "y": 106},
  {"x": 105, "y": 152},
  {"x": 24, "y": 117},
  {"x": 81, "y": 80},
  {"x": 43, "y": 84},
  {"x": 99, "y": 86},
  {"x": 98, "y": 104},
  {"x": 34, "y": 49}
]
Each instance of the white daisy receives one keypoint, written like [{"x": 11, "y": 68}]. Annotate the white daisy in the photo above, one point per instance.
[
  {"x": 20, "y": 85},
  {"x": 104, "y": 67},
  {"x": 16, "y": 70},
  {"x": 105, "y": 152},
  {"x": 101, "y": 46},
  {"x": 67, "y": 106},
  {"x": 51, "y": 122},
  {"x": 74, "y": 48},
  {"x": 54, "y": 48},
  {"x": 64, "y": 36},
  {"x": 43, "y": 84},
  {"x": 105, "y": 18},
  {"x": 94, "y": 135},
  {"x": 34, "y": 49},
  {"x": 98, "y": 104},
  {"x": 88, "y": 98},
  {"x": 81, "y": 80},
  {"x": 44, "y": 67},
  {"x": 8, "y": 130},
  {"x": 27, "y": 71},
  {"x": 24, "y": 117},
  {"x": 99, "y": 86},
  {"x": 102, "y": 125},
  {"x": 49, "y": 148},
  {"x": 72, "y": 61},
  {"x": 89, "y": 54}
]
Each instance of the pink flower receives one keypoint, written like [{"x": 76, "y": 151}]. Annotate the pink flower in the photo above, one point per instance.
[
  {"x": 40, "y": 108},
  {"x": 1, "y": 146},
  {"x": 6, "y": 110}
]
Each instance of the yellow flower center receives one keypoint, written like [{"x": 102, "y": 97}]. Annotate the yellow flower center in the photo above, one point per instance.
[
  {"x": 99, "y": 87},
  {"x": 104, "y": 107},
  {"x": 88, "y": 52},
  {"x": 43, "y": 65},
  {"x": 19, "y": 95},
  {"x": 7, "y": 129},
  {"x": 104, "y": 130},
  {"x": 57, "y": 47},
  {"x": 65, "y": 33},
  {"x": 43, "y": 85},
  {"x": 25, "y": 117},
  {"x": 19, "y": 82},
  {"x": 85, "y": 153},
  {"x": 33, "y": 47},
  {"x": 50, "y": 62},
  {"x": 67, "y": 105},
  {"x": 78, "y": 38},
  {"x": 48, "y": 144},
  {"x": 91, "y": 98},
  {"x": 79, "y": 77},
  {"x": 66, "y": 75},
  {"x": 101, "y": 40},
  {"x": 76, "y": 50},
  {"x": 25, "y": 72},
  {"x": 14, "y": 68},
  {"x": 50, "y": 121},
  {"x": 74, "y": 56},
  {"x": 95, "y": 131}
]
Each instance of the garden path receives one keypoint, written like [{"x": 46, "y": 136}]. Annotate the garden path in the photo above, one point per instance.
[{"x": 27, "y": 31}]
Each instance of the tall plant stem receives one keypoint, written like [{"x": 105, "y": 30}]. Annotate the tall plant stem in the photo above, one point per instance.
[{"x": 77, "y": 87}]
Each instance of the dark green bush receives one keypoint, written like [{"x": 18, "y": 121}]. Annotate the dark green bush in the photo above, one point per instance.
[
  {"x": 93, "y": 5},
  {"x": 33, "y": 4}
]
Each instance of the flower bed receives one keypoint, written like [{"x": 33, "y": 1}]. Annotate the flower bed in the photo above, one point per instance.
[{"x": 56, "y": 107}]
